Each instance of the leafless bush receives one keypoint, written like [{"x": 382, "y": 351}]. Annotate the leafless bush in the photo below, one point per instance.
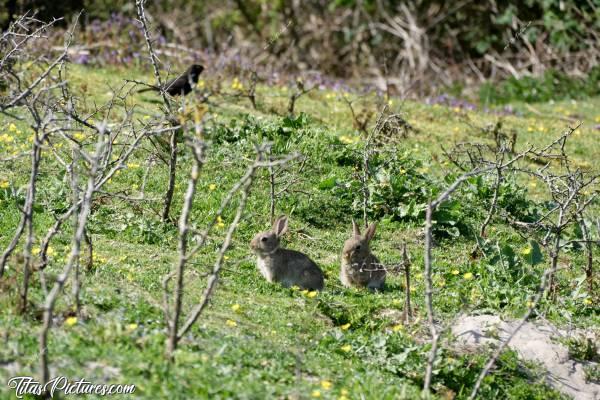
[
  {"x": 242, "y": 188},
  {"x": 566, "y": 187}
]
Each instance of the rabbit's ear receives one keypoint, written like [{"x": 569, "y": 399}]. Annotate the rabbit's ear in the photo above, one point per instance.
[
  {"x": 280, "y": 226},
  {"x": 370, "y": 232},
  {"x": 355, "y": 228}
]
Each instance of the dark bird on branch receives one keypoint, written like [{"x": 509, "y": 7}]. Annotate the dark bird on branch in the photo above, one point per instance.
[{"x": 181, "y": 85}]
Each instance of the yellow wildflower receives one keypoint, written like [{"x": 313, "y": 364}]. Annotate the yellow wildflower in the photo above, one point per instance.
[
  {"x": 4, "y": 184},
  {"x": 78, "y": 136},
  {"x": 236, "y": 84},
  {"x": 530, "y": 304},
  {"x": 345, "y": 326},
  {"x": 131, "y": 327},
  {"x": 316, "y": 393},
  {"x": 346, "y": 348},
  {"x": 397, "y": 327},
  {"x": 212, "y": 186},
  {"x": 70, "y": 321},
  {"x": 455, "y": 272},
  {"x": 231, "y": 323},
  {"x": 325, "y": 384},
  {"x": 526, "y": 251},
  {"x": 236, "y": 307},
  {"x": 587, "y": 301},
  {"x": 12, "y": 127},
  {"x": 133, "y": 165},
  {"x": 468, "y": 276},
  {"x": 312, "y": 294}
]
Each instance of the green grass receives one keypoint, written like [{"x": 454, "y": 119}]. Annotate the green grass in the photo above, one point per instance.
[{"x": 281, "y": 343}]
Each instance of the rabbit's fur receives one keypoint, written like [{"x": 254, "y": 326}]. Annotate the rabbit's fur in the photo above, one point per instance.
[
  {"x": 360, "y": 268},
  {"x": 288, "y": 267}
]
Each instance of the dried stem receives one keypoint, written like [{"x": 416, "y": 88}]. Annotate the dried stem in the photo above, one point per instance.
[
  {"x": 73, "y": 259},
  {"x": 198, "y": 148}
]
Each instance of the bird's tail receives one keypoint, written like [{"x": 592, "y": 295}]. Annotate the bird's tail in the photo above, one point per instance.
[{"x": 153, "y": 88}]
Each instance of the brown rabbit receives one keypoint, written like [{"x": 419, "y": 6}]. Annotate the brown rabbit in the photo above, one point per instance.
[
  {"x": 288, "y": 267},
  {"x": 360, "y": 268}
]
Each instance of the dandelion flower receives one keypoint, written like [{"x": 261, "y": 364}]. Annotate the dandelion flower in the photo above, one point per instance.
[
  {"x": 131, "y": 327},
  {"x": 12, "y": 127},
  {"x": 316, "y": 393},
  {"x": 236, "y": 307},
  {"x": 587, "y": 301},
  {"x": 397, "y": 328},
  {"x": 79, "y": 136},
  {"x": 468, "y": 276},
  {"x": 304, "y": 292},
  {"x": 526, "y": 251},
  {"x": 455, "y": 272},
  {"x": 231, "y": 323},
  {"x": 345, "y": 326},
  {"x": 325, "y": 384},
  {"x": 312, "y": 294},
  {"x": 212, "y": 186},
  {"x": 4, "y": 184},
  {"x": 70, "y": 321},
  {"x": 346, "y": 348},
  {"x": 530, "y": 304}
]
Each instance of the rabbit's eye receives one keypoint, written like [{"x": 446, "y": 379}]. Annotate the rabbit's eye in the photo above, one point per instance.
[
  {"x": 263, "y": 239},
  {"x": 357, "y": 247}
]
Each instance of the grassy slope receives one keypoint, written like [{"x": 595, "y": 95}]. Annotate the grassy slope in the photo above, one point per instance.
[{"x": 280, "y": 342}]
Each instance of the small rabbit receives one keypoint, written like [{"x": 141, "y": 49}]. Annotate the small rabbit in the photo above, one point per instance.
[
  {"x": 360, "y": 268},
  {"x": 289, "y": 267}
]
